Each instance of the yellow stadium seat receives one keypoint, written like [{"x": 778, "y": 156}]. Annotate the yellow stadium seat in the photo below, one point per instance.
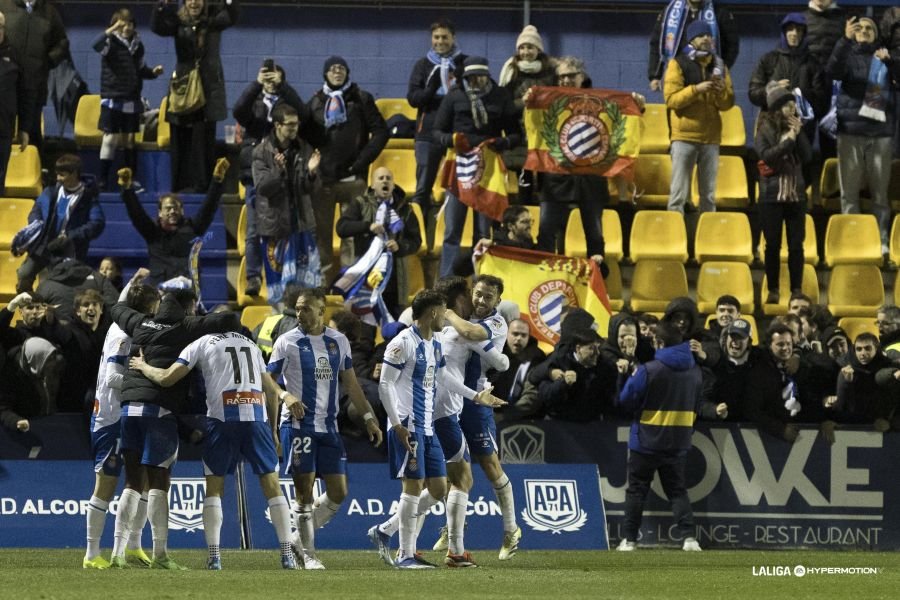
[
  {"x": 852, "y": 239},
  {"x": 388, "y": 107},
  {"x": 895, "y": 240},
  {"x": 655, "y": 283},
  {"x": 242, "y": 231},
  {"x": 251, "y": 316},
  {"x": 853, "y": 326},
  {"x": 612, "y": 235},
  {"x": 333, "y": 303},
  {"x": 614, "y": 286},
  {"x": 8, "y": 266},
  {"x": 810, "y": 245},
  {"x": 754, "y": 331},
  {"x": 163, "y": 131},
  {"x": 655, "y": 132},
  {"x": 894, "y": 186},
  {"x": 417, "y": 210},
  {"x": 415, "y": 276},
  {"x": 242, "y": 298},
  {"x": 720, "y": 278},
  {"x": 465, "y": 240},
  {"x": 733, "y": 132},
  {"x": 23, "y": 173},
  {"x": 535, "y": 212},
  {"x": 13, "y": 217},
  {"x": 731, "y": 184},
  {"x": 402, "y": 164},
  {"x": 855, "y": 290},
  {"x": 242, "y": 191},
  {"x": 87, "y": 116},
  {"x": 723, "y": 236},
  {"x": 658, "y": 234},
  {"x": 652, "y": 175},
  {"x": 809, "y": 286},
  {"x": 830, "y": 185}
]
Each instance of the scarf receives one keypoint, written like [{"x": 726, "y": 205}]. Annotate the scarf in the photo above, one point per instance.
[
  {"x": 694, "y": 54},
  {"x": 270, "y": 100},
  {"x": 877, "y": 89},
  {"x": 388, "y": 217},
  {"x": 335, "y": 108},
  {"x": 512, "y": 66},
  {"x": 479, "y": 112},
  {"x": 789, "y": 395},
  {"x": 444, "y": 67},
  {"x": 132, "y": 45},
  {"x": 788, "y": 180},
  {"x": 66, "y": 201},
  {"x": 674, "y": 22},
  {"x": 363, "y": 283}
]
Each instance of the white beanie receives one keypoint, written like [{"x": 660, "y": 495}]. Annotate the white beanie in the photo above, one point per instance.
[{"x": 531, "y": 36}]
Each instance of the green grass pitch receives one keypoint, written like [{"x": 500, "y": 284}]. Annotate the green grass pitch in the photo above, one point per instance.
[{"x": 555, "y": 575}]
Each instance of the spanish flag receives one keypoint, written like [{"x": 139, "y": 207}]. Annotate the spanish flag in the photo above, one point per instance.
[
  {"x": 477, "y": 176},
  {"x": 582, "y": 131},
  {"x": 545, "y": 285}
]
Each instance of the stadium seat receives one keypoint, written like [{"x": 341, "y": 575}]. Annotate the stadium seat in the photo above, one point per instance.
[
  {"x": 853, "y": 326},
  {"x": 417, "y": 210},
  {"x": 388, "y": 107},
  {"x": 656, "y": 282},
  {"x": 333, "y": 303},
  {"x": 13, "y": 217},
  {"x": 415, "y": 276},
  {"x": 242, "y": 191},
  {"x": 809, "y": 286},
  {"x": 731, "y": 184},
  {"x": 614, "y": 286},
  {"x": 810, "y": 244},
  {"x": 659, "y": 235},
  {"x": 402, "y": 163},
  {"x": 335, "y": 238},
  {"x": 723, "y": 236},
  {"x": 720, "y": 278},
  {"x": 895, "y": 240},
  {"x": 242, "y": 231},
  {"x": 655, "y": 133},
  {"x": 612, "y": 234},
  {"x": 87, "y": 116},
  {"x": 163, "y": 131},
  {"x": 830, "y": 185},
  {"x": 23, "y": 173},
  {"x": 8, "y": 266},
  {"x": 852, "y": 239},
  {"x": 242, "y": 298},
  {"x": 251, "y": 316},
  {"x": 734, "y": 135},
  {"x": 754, "y": 331},
  {"x": 652, "y": 175},
  {"x": 855, "y": 291},
  {"x": 894, "y": 186}
]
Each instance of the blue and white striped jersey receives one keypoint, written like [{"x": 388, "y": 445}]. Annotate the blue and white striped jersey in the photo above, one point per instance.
[
  {"x": 113, "y": 363},
  {"x": 418, "y": 361}
]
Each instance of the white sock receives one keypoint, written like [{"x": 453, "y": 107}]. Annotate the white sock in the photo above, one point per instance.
[
  {"x": 426, "y": 501},
  {"x": 503, "y": 489},
  {"x": 281, "y": 519},
  {"x": 295, "y": 518},
  {"x": 96, "y": 519},
  {"x": 158, "y": 513},
  {"x": 457, "y": 502},
  {"x": 306, "y": 528},
  {"x": 125, "y": 517},
  {"x": 212, "y": 524},
  {"x": 409, "y": 506},
  {"x": 136, "y": 530},
  {"x": 324, "y": 510}
]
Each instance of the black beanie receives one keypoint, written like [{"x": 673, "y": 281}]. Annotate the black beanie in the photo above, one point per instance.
[{"x": 334, "y": 60}]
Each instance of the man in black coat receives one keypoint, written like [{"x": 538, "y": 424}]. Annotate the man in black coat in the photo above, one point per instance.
[{"x": 16, "y": 100}]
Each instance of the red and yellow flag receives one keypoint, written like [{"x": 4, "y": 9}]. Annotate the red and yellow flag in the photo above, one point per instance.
[
  {"x": 477, "y": 176},
  {"x": 581, "y": 131},
  {"x": 544, "y": 285}
]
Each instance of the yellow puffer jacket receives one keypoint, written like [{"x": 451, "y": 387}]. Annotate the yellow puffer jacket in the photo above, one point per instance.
[{"x": 694, "y": 116}]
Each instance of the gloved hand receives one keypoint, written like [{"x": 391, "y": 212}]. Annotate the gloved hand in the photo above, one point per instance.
[
  {"x": 125, "y": 178},
  {"x": 500, "y": 144},
  {"x": 220, "y": 169},
  {"x": 18, "y": 301}
]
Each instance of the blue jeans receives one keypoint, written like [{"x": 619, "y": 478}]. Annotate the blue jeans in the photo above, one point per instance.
[
  {"x": 428, "y": 160},
  {"x": 251, "y": 247},
  {"x": 455, "y": 213},
  {"x": 684, "y": 156}
]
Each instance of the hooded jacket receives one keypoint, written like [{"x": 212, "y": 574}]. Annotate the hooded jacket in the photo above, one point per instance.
[
  {"x": 694, "y": 116},
  {"x": 850, "y": 62},
  {"x": 863, "y": 400},
  {"x": 695, "y": 330},
  {"x": 609, "y": 350}
]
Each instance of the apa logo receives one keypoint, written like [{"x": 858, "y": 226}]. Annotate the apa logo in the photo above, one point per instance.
[
  {"x": 186, "y": 496},
  {"x": 552, "y": 505},
  {"x": 522, "y": 445}
]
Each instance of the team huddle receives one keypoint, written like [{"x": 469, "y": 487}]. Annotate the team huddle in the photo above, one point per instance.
[{"x": 433, "y": 387}]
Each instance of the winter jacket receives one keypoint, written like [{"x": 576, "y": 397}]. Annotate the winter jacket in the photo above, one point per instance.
[
  {"x": 664, "y": 397},
  {"x": 62, "y": 281},
  {"x": 195, "y": 42},
  {"x": 587, "y": 399},
  {"x": 86, "y": 221},
  {"x": 695, "y": 330},
  {"x": 863, "y": 400},
  {"x": 455, "y": 116},
  {"x": 40, "y": 39},
  {"x": 16, "y": 99},
  {"x": 763, "y": 401},
  {"x": 729, "y": 44},
  {"x": 359, "y": 214},
  {"x": 799, "y": 67},
  {"x": 890, "y": 33},
  {"x": 122, "y": 72},
  {"x": 422, "y": 94},
  {"x": 850, "y": 63},
  {"x": 253, "y": 115},
  {"x": 283, "y": 204},
  {"x": 694, "y": 116},
  {"x": 823, "y": 30},
  {"x": 787, "y": 157},
  {"x": 522, "y": 81},
  {"x": 350, "y": 147},
  {"x": 169, "y": 250}
]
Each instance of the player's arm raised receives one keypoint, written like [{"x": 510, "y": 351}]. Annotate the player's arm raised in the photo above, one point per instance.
[
  {"x": 351, "y": 385},
  {"x": 473, "y": 332},
  {"x": 161, "y": 377}
]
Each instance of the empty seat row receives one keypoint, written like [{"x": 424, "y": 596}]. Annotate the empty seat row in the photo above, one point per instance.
[{"x": 89, "y": 135}]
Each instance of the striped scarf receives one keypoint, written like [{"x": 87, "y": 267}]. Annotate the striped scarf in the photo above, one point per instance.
[
  {"x": 479, "y": 112},
  {"x": 444, "y": 67},
  {"x": 335, "y": 108}
]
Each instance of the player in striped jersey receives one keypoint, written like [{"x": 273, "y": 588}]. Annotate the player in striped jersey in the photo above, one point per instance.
[
  {"x": 105, "y": 437},
  {"x": 314, "y": 361},
  {"x": 414, "y": 370},
  {"x": 241, "y": 404}
]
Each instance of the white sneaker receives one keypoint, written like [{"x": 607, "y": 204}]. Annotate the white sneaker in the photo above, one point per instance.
[
  {"x": 626, "y": 546},
  {"x": 443, "y": 542},
  {"x": 311, "y": 562},
  {"x": 691, "y": 545}
]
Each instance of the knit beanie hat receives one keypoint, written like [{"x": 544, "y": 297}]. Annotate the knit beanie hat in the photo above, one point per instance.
[
  {"x": 531, "y": 36},
  {"x": 334, "y": 60},
  {"x": 476, "y": 65},
  {"x": 777, "y": 96},
  {"x": 698, "y": 28}
]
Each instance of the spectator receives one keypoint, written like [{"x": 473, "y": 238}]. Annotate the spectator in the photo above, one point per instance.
[
  {"x": 71, "y": 217},
  {"x": 772, "y": 402},
  {"x": 515, "y": 231},
  {"x": 836, "y": 343},
  {"x": 15, "y": 101},
  {"x": 784, "y": 153},
  {"x": 728, "y": 308},
  {"x": 383, "y": 211},
  {"x": 197, "y": 30},
  {"x": 824, "y": 27},
  {"x": 37, "y": 33},
  {"x": 122, "y": 71},
  {"x": 887, "y": 319},
  {"x": 669, "y": 39},
  {"x": 111, "y": 268},
  {"x": 859, "y": 398},
  {"x": 66, "y": 277},
  {"x": 621, "y": 343},
  {"x": 890, "y": 32},
  {"x": 362, "y": 348},
  {"x": 350, "y": 133},
  {"x": 820, "y": 318},
  {"x": 266, "y": 333},
  {"x": 480, "y": 110},
  {"x": 865, "y": 112},
  {"x": 89, "y": 329},
  {"x": 528, "y": 67},
  {"x": 253, "y": 111},
  {"x": 524, "y": 355},
  {"x": 682, "y": 312},
  {"x": 647, "y": 325},
  {"x": 432, "y": 77},
  {"x": 799, "y": 303},
  {"x": 284, "y": 168},
  {"x": 730, "y": 373},
  {"x": 170, "y": 237},
  {"x": 697, "y": 88}
]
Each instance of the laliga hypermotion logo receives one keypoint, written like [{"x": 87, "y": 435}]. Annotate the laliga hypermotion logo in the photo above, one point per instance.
[
  {"x": 522, "y": 444},
  {"x": 552, "y": 505},
  {"x": 546, "y": 303},
  {"x": 186, "y": 496}
]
